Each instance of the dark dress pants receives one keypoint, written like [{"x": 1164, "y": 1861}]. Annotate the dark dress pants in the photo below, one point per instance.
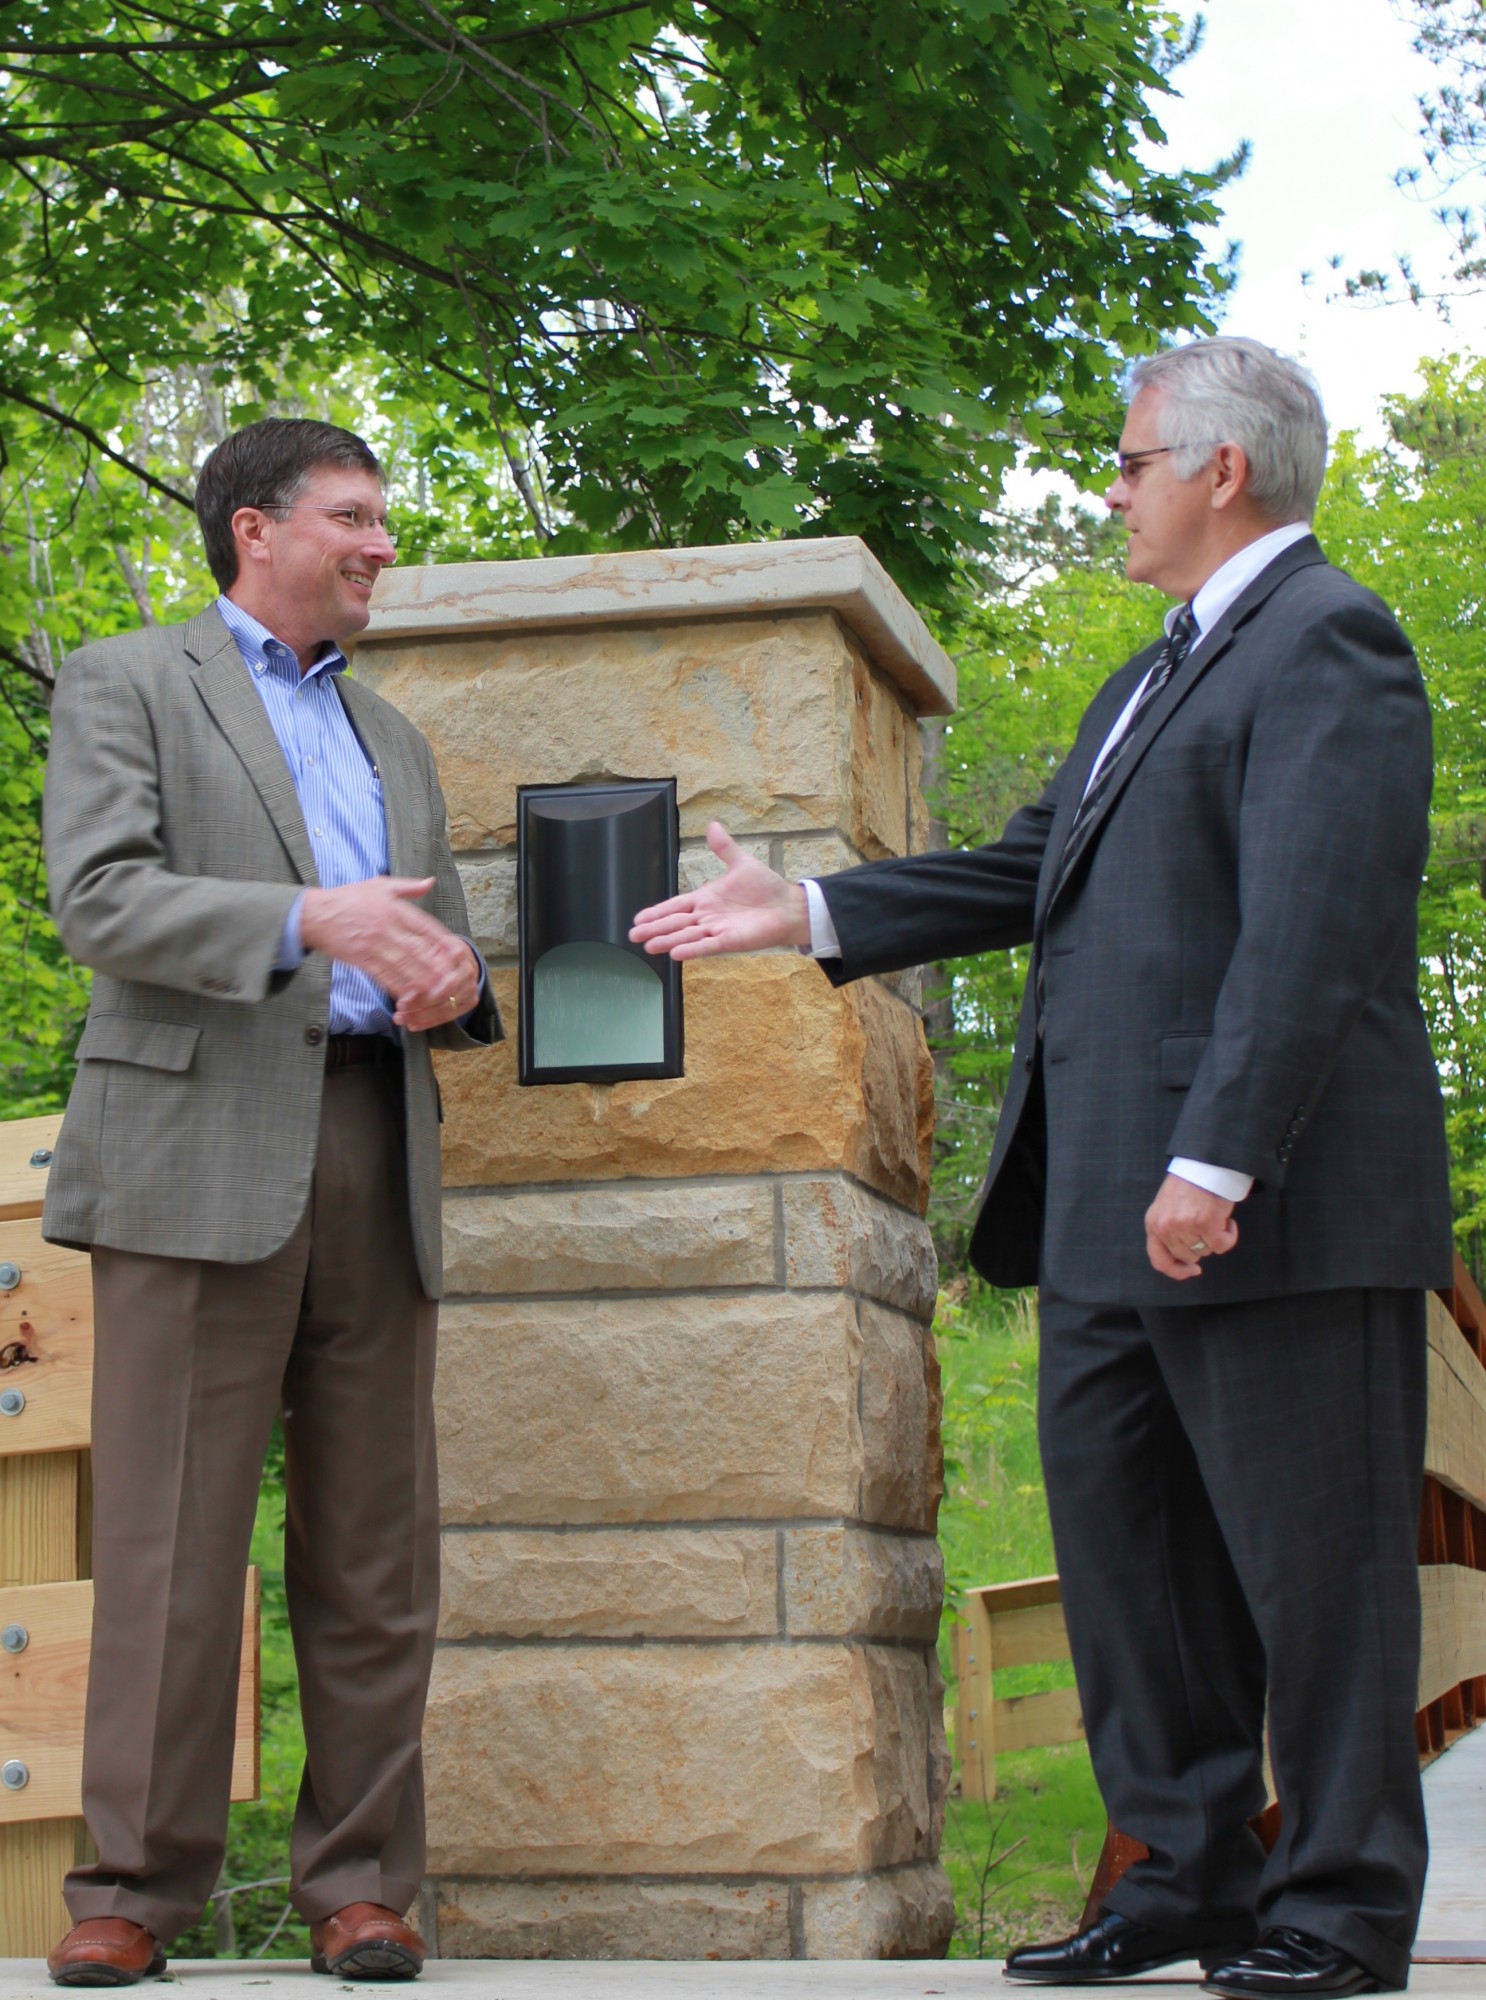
[
  {"x": 1234, "y": 1494},
  {"x": 192, "y": 1361}
]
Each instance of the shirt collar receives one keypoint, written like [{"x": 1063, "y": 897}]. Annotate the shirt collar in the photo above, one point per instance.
[
  {"x": 261, "y": 649},
  {"x": 1225, "y": 584}
]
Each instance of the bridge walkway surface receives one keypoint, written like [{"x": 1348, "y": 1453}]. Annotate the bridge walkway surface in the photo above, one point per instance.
[{"x": 1453, "y": 1927}]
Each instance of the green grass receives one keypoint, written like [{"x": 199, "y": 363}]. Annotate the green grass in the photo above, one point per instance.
[{"x": 1020, "y": 1866}]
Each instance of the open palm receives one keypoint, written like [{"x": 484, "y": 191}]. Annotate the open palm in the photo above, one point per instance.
[{"x": 747, "y": 908}]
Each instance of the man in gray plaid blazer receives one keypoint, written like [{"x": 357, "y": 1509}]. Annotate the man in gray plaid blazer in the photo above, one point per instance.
[
  {"x": 1222, "y": 1158},
  {"x": 250, "y": 851}
]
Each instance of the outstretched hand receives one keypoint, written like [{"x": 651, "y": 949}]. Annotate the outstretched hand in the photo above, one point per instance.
[{"x": 747, "y": 908}]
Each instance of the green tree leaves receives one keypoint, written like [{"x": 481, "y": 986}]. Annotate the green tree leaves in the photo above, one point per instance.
[{"x": 774, "y": 266}]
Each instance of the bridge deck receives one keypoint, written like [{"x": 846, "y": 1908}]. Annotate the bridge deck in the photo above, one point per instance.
[{"x": 1453, "y": 1921}]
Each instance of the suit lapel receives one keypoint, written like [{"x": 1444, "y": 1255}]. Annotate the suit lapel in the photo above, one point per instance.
[
  {"x": 1101, "y": 716},
  {"x": 1203, "y": 656},
  {"x": 226, "y": 686},
  {"x": 366, "y": 718}
]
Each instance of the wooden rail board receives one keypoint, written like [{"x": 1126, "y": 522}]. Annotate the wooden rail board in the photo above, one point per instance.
[
  {"x": 46, "y": 1343},
  {"x": 1455, "y": 1447},
  {"x": 1454, "y": 1628},
  {"x": 23, "y": 1186},
  {"x": 43, "y": 1694}
]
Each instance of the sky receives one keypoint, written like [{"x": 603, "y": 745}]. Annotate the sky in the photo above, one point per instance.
[{"x": 1326, "y": 92}]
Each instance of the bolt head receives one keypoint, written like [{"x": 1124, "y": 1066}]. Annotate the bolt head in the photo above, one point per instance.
[
  {"x": 12, "y": 1402},
  {"x": 10, "y": 1277},
  {"x": 42, "y": 1157},
  {"x": 15, "y": 1638},
  {"x": 14, "y": 1775}
]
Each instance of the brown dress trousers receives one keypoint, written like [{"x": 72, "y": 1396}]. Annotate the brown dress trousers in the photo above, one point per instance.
[{"x": 193, "y": 1358}]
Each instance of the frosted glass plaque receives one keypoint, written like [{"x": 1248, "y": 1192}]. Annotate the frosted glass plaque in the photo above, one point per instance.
[{"x": 596, "y": 1004}]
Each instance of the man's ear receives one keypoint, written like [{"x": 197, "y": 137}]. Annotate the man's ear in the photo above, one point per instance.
[
  {"x": 1230, "y": 468},
  {"x": 250, "y": 534}
]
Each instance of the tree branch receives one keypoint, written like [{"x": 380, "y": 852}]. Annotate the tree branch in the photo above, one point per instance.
[{"x": 10, "y": 394}]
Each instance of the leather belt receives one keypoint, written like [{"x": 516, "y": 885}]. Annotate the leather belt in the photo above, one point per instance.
[{"x": 342, "y": 1051}]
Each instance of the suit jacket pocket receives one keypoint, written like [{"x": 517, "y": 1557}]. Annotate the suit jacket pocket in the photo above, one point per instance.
[
  {"x": 1181, "y": 1054},
  {"x": 1200, "y": 754},
  {"x": 127, "y": 1039}
]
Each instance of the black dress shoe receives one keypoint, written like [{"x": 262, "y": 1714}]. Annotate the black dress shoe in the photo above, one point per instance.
[
  {"x": 1112, "y": 1948},
  {"x": 1290, "y": 1962}
]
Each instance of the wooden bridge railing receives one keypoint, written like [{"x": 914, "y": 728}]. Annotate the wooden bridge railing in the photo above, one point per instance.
[
  {"x": 1020, "y": 1624},
  {"x": 46, "y": 1600}
]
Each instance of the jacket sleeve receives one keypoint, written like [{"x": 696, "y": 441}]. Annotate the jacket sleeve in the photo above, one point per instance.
[
  {"x": 482, "y": 1027},
  {"x": 922, "y": 907},
  {"x": 1332, "y": 838},
  {"x": 118, "y": 906}
]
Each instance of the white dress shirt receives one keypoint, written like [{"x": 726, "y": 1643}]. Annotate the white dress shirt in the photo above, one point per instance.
[{"x": 1208, "y": 606}]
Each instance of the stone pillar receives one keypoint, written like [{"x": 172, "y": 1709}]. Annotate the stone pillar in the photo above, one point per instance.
[{"x": 686, "y": 1701}]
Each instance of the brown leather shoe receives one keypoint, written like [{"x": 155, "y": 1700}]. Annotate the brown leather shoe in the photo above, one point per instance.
[
  {"x": 105, "y": 1951},
  {"x": 366, "y": 1941}
]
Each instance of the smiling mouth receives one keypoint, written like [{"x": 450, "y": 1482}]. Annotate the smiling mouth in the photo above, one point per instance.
[{"x": 363, "y": 579}]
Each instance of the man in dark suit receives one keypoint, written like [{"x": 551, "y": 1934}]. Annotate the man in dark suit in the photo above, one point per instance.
[
  {"x": 1221, "y": 1156},
  {"x": 251, "y": 853}
]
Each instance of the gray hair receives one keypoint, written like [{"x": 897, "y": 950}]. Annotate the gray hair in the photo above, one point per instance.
[{"x": 1230, "y": 391}]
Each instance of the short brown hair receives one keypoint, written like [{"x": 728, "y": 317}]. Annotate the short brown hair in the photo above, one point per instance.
[{"x": 266, "y": 465}]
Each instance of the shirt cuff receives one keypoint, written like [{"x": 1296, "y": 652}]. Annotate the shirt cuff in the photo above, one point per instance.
[
  {"x": 824, "y": 942},
  {"x": 291, "y": 949},
  {"x": 484, "y": 984},
  {"x": 1225, "y": 1182}
]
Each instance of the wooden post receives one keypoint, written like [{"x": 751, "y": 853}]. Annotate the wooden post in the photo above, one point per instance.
[
  {"x": 46, "y": 1599},
  {"x": 46, "y": 1352}
]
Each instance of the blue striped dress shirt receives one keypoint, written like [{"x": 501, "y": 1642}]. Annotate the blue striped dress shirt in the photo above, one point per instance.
[{"x": 339, "y": 792}]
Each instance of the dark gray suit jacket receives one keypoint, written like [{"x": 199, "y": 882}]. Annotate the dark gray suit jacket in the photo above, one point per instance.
[
  {"x": 1230, "y": 971},
  {"x": 175, "y": 848}
]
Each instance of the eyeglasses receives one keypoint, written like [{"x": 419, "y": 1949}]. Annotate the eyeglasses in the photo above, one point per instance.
[
  {"x": 359, "y": 520},
  {"x": 1130, "y": 462}
]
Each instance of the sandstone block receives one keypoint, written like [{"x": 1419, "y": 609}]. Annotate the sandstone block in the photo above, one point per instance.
[
  {"x": 489, "y": 883},
  {"x": 613, "y": 1920},
  {"x": 903, "y": 1482},
  {"x": 846, "y": 1582},
  {"x": 901, "y": 1913},
  {"x": 838, "y": 1234},
  {"x": 682, "y": 1583},
  {"x": 753, "y": 716},
  {"x": 675, "y": 1759},
  {"x": 783, "y": 1074},
  {"x": 827, "y": 854},
  {"x": 638, "y": 1236},
  {"x": 689, "y": 1409},
  {"x": 940, "y": 1761},
  {"x": 879, "y": 821},
  {"x": 919, "y": 826},
  {"x": 698, "y": 864},
  {"x": 817, "y": 855}
]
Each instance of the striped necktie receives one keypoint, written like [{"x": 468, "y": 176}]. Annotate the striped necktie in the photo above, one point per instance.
[{"x": 1179, "y": 642}]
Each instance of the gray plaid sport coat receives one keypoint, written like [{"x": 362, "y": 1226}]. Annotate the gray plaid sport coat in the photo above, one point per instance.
[
  {"x": 175, "y": 848},
  {"x": 1230, "y": 969}
]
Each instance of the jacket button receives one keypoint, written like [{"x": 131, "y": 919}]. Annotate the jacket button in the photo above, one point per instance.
[{"x": 314, "y": 1034}]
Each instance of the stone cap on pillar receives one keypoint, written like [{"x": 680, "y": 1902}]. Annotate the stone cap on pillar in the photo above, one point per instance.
[{"x": 837, "y": 573}]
